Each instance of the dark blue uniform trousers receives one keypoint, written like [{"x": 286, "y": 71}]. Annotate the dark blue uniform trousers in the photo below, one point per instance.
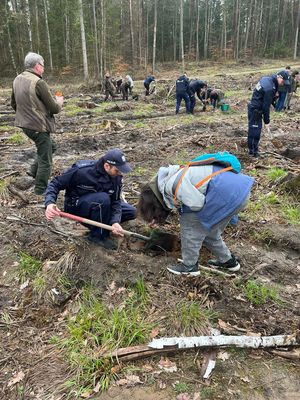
[
  {"x": 254, "y": 131},
  {"x": 193, "y": 103},
  {"x": 97, "y": 206},
  {"x": 186, "y": 98}
]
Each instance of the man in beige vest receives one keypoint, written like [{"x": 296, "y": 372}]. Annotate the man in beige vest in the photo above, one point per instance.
[{"x": 35, "y": 108}]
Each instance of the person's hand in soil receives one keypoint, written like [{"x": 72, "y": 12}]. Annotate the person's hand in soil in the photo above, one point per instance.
[
  {"x": 52, "y": 211},
  {"x": 117, "y": 230}
]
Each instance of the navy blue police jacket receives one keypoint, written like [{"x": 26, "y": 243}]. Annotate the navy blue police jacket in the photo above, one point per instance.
[
  {"x": 87, "y": 176},
  {"x": 149, "y": 79},
  {"x": 263, "y": 96},
  {"x": 195, "y": 86},
  {"x": 182, "y": 85}
]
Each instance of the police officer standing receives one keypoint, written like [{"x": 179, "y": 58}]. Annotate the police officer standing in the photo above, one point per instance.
[
  {"x": 182, "y": 92},
  {"x": 259, "y": 107},
  {"x": 93, "y": 190}
]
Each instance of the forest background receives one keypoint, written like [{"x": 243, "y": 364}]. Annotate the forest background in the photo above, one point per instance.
[{"x": 90, "y": 37}]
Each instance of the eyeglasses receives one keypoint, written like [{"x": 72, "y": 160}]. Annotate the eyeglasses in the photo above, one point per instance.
[{"x": 42, "y": 65}]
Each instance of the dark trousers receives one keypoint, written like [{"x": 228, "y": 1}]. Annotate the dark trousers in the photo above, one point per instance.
[
  {"x": 192, "y": 103},
  {"x": 186, "y": 98},
  {"x": 41, "y": 167},
  {"x": 147, "y": 87},
  {"x": 97, "y": 206},
  {"x": 254, "y": 131},
  {"x": 280, "y": 101}
]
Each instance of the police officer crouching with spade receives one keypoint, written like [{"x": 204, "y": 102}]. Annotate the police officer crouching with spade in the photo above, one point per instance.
[{"x": 93, "y": 190}]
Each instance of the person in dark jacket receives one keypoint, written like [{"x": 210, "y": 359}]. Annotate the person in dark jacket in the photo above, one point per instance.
[
  {"x": 119, "y": 82},
  {"x": 195, "y": 88},
  {"x": 215, "y": 96},
  {"x": 259, "y": 107},
  {"x": 93, "y": 190},
  {"x": 283, "y": 92},
  {"x": 147, "y": 82},
  {"x": 182, "y": 92},
  {"x": 35, "y": 108},
  {"x": 293, "y": 88},
  {"x": 207, "y": 197},
  {"x": 109, "y": 87},
  {"x": 125, "y": 89}
]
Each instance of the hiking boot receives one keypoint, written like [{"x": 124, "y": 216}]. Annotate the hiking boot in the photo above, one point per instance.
[
  {"x": 182, "y": 269},
  {"x": 107, "y": 244},
  {"x": 231, "y": 265}
]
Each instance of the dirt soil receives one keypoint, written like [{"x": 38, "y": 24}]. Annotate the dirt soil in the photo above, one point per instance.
[{"x": 149, "y": 133}]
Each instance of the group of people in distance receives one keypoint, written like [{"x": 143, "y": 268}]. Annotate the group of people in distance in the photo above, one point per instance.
[
  {"x": 187, "y": 90},
  {"x": 207, "y": 196},
  {"x": 113, "y": 86}
]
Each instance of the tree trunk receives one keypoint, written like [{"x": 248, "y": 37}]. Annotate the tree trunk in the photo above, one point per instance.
[
  {"x": 154, "y": 36},
  {"x": 147, "y": 37},
  {"x": 175, "y": 33},
  {"x": 131, "y": 32},
  {"x": 9, "y": 39},
  {"x": 225, "y": 31},
  {"x": 181, "y": 36},
  {"x": 83, "y": 42},
  {"x": 197, "y": 30},
  {"x": 67, "y": 36},
  {"x": 37, "y": 19},
  {"x": 297, "y": 32},
  {"x": 96, "y": 41},
  {"x": 48, "y": 35},
  {"x": 28, "y": 21},
  {"x": 249, "y": 24}
]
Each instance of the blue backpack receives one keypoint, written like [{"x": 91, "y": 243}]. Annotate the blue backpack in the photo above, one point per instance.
[{"x": 222, "y": 158}]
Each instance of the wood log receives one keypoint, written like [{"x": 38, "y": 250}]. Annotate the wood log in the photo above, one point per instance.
[{"x": 176, "y": 344}]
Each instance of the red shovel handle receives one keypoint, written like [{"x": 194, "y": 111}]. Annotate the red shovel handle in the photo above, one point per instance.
[
  {"x": 100, "y": 225},
  {"x": 85, "y": 220}
]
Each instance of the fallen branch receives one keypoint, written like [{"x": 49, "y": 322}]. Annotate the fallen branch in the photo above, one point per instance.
[
  {"x": 213, "y": 270},
  {"x": 253, "y": 342},
  {"x": 175, "y": 344},
  {"x": 15, "y": 192},
  {"x": 9, "y": 174}
]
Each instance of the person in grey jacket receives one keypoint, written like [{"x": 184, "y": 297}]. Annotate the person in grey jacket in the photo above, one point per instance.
[
  {"x": 206, "y": 204},
  {"x": 35, "y": 108}
]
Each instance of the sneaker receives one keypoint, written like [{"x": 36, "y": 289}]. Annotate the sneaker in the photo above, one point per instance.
[
  {"x": 107, "y": 244},
  {"x": 231, "y": 265},
  {"x": 182, "y": 269}
]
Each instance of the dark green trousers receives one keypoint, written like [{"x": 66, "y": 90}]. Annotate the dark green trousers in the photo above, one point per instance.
[{"x": 41, "y": 167}]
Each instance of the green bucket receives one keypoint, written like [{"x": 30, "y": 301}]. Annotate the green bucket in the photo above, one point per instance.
[{"x": 225, "y": 107}]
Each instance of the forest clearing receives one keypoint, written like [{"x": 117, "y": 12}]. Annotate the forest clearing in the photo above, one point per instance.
[{"x": 66, "y": 304}]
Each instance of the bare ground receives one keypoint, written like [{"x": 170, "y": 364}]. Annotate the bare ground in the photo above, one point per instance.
[{"x": 267, "y": 245}]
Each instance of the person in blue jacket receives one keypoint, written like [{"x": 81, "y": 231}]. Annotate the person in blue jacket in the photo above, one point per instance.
[
  {"x": 196, "y": 87},
  {"x": 207, "y": 197},
  {"x": 147, "y": 82},
  {"x": 182, "y": 92},
  {"x": 259, "y": 107},
  {"x": 93, "y": 190}
]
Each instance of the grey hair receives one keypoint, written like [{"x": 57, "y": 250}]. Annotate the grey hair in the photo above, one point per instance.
[{"x": 32, "y": 59}]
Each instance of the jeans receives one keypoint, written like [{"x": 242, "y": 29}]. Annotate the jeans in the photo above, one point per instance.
[
  {"x": 193, "y": 236},
  {"x": 41, "y": 167}
]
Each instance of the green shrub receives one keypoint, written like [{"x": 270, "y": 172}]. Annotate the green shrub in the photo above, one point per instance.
[{"x": 258, "y": 293}]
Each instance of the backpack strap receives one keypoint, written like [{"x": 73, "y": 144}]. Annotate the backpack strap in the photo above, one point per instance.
[
  {"x": 200, "y": 183},
  {"x": 211, "y": 176}
]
